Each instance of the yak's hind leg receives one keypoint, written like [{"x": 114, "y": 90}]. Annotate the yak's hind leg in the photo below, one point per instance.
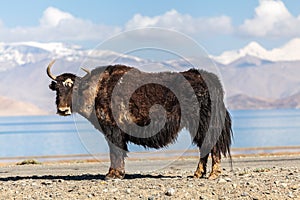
[
  {"x": 216, "y": 164},
  {"x": 201, "y": 168}
]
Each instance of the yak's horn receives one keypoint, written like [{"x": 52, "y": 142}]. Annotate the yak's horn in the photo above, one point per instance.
[
  {"x": 86, "y": 70},
  {"x": 49, "y": 72}
]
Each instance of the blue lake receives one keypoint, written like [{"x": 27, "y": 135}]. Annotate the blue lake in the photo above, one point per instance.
[{"x": 55, "y": 135}]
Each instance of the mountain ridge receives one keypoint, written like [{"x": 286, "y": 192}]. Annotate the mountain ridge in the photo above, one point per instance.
[
  {"x": 250, "y": 82},
  {"x": 244, "y": 102}
]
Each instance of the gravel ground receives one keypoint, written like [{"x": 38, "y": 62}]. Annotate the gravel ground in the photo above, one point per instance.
[{"x": 273, "y": 177}]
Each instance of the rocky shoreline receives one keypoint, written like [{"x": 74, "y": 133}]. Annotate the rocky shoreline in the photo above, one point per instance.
[{"x": 276, "y": 177}]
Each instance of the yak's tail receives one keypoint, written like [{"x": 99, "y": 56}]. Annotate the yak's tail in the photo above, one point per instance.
[{"x": 226, "y": 137}]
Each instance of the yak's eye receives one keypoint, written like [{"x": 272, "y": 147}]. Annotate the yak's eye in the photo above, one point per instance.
[{"x": 68, "y": 83}]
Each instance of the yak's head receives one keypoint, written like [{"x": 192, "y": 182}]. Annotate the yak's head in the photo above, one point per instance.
[{"x": 63, "y": 85}]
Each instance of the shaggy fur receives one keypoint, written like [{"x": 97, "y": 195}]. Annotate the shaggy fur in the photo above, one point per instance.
[{"x": 95, "y": 97}]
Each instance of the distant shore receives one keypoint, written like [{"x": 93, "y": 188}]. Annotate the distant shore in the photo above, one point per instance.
[{"x": 155, "y": 155}]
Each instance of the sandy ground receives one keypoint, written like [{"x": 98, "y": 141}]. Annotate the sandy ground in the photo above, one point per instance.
[{"x": 263, "y": 177}]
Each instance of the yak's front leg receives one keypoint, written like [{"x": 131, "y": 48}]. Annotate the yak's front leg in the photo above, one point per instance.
[
  {"x": 216, "y": 164},
  {"x": 117, "y": 164},
  {"x": 201, "y": 168}
]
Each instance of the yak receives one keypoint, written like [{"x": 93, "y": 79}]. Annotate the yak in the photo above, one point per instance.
[{"x": 149, "y": 109}]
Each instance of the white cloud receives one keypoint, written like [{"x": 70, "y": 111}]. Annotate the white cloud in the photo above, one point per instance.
[
  {"x": 53, "y": 16},
  {"x": 183, "y": 22},
  {"x": 56, "y": 25},
  {"x": 271, "y": 18}
]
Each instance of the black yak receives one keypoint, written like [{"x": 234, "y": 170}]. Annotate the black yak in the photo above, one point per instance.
[{"x": 149, "y": 109}]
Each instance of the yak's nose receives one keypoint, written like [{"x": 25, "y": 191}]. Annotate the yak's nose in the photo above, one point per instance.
[{"x": 64, "y": 110}]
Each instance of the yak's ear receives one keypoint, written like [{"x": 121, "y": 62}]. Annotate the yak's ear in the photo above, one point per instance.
[{"x": 52, "y": 86}]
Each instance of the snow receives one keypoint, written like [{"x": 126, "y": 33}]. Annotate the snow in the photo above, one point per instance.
[
  {"x": 22, "y": 53},
  {"x": 54, "y": 47},
  {"x": 288, "y": 52},
  {"x": 26, "y": 52}
]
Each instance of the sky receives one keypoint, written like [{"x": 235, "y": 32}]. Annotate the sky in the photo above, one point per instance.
[{"x": 216, "y": 25}]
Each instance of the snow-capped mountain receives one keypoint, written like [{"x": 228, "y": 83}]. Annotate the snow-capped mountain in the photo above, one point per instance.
[
  {"x": 252, "y": 74},
  {"x": 18, "y": 54},
  {"x": 288, "y": 52},
  {"x": 24, "y": 53}
]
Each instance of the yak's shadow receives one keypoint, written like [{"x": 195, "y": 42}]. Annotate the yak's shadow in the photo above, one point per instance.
[{"x": 82, "y": 177}]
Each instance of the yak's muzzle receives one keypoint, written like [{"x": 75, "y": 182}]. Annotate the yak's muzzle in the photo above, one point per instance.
[{"x": 64, "y": 111}]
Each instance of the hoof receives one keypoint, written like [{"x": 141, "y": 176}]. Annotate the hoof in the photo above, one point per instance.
[
  {"x": 114, "y": 174},
  {"x": 199, "y": 175},
  {"x": 200, "y": 172},
  {"x": 214, "y": 175}
]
